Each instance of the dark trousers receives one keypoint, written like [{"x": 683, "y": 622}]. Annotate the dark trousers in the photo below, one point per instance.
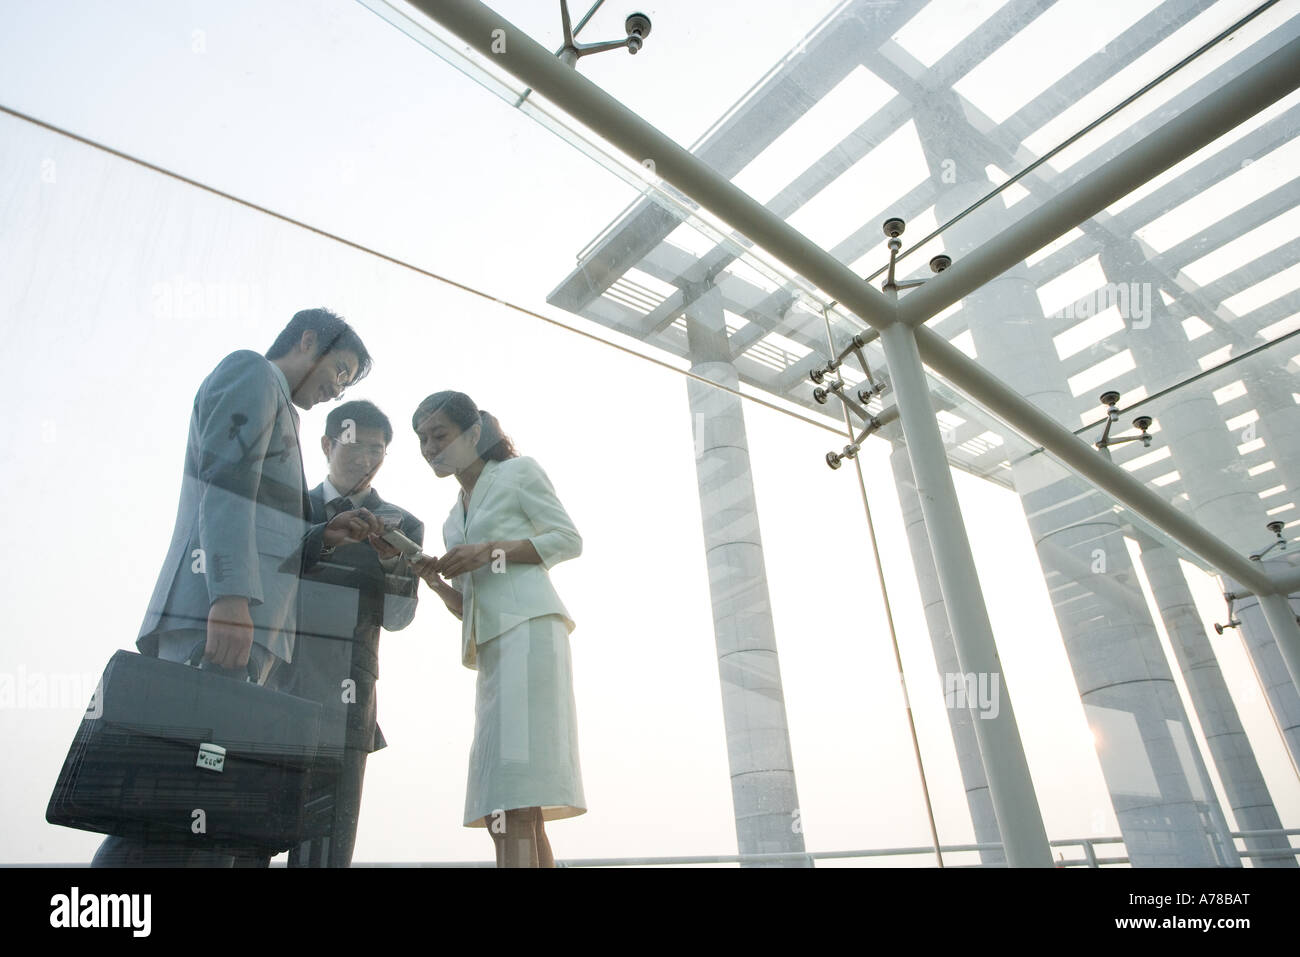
[
  {"x": 129, "y": 852},
  {"x": 335, "y": 849}
]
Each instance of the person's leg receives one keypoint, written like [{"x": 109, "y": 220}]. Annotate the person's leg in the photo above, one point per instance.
[
  {"x": 347, "y": 808},
  {"x": 544, "y": 856},
  {"x": 496, "y": 828},
  {"x": 516, "y": 846},
  {"x": 498, "y": 846}
]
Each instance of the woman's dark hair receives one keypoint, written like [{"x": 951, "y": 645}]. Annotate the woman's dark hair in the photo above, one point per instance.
[{"x": 493, "y": 444}]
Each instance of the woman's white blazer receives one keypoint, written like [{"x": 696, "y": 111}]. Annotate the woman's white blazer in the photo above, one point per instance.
[{"x": 511, "y": 500}]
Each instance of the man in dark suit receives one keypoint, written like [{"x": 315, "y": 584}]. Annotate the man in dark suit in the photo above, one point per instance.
[
  {"x": 229, "y": 583},
  {"x": 344, "y": 601}
]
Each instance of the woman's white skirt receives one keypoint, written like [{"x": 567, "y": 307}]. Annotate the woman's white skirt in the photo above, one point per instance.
[{"x": 525, "y": 751}]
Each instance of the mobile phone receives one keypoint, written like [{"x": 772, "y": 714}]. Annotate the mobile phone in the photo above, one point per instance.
[{"x": 410, "y": 551}]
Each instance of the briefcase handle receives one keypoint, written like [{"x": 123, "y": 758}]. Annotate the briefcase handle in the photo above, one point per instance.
[{"x": 196, "y": 660}]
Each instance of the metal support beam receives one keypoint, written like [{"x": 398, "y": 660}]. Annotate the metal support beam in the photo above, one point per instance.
[
  {"x": 1010, "y": 785},
  {"x": 961, "y": 720},
  {"x": 1263, "y": 84},
  {"x": 1029, "y": 420}
]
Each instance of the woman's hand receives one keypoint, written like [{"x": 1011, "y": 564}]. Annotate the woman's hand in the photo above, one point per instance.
[
  {"x": 427, "y": 568},
  {"x": 464, "y": 558}
]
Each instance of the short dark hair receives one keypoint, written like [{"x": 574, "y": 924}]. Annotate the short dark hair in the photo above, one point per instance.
[
  {"x": 363, "y": 413},
  {"x": 493, "y": 444},
  {"x": 332, "y": 333}
]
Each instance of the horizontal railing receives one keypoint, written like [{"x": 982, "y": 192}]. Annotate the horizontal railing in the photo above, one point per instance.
[{"x": 1087, "y": 846}]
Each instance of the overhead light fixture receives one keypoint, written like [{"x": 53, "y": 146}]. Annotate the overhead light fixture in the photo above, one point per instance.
[
  {"x": 1279, "y": 542},
  {"x": 637, "y": 26},
  {"x": 1110, "y": 399}
]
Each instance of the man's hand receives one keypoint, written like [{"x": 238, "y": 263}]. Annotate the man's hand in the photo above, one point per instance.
[
  {"x": 230, "y": 632},
  {"x": 385, "y": 550},
  {"x": 354, "y": 526}
]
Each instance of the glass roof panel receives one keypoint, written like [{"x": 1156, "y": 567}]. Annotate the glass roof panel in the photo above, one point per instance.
[
  {"x": 1185, "y": 40},
  {"x": 940, "y": 26},
  {"x": 1044, "y": 51},
  {"x": 834, "y": 142}
]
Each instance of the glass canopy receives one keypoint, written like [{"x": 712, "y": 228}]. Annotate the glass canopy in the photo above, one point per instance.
[{"x": 924, "y": 112}]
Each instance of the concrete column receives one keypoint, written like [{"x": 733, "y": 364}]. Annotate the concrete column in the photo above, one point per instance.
[
  {"x": 1230, "y": 749},
  {"x": 1166, "y": 815},
  {"x": 960, "y": 719},
  {"x": 1193, "y": 427},
  {"x": 753, "y": 704},
  {"x": 1274, "y": 679}
]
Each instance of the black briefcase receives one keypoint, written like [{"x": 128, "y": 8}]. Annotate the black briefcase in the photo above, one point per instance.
[{"x": 168, "y": 753}]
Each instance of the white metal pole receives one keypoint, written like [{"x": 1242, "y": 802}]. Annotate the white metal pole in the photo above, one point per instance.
[
  {"x": 961, "y": 720},
  {"x": 1282, "y": 622},
  {"x": 1010, "y": 784}
]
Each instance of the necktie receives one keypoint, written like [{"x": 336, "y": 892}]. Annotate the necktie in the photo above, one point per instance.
[{"x": 336, "y": 505}]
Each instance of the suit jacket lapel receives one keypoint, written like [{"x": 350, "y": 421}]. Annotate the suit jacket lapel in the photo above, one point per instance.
[
  {"x": 297, "y": 439},
  {"x": 485, "y": 480},
  {"x": 316, "y": 503}
]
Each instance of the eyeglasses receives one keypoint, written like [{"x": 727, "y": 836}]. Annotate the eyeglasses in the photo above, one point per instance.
[{"x": 342, "y": 375}]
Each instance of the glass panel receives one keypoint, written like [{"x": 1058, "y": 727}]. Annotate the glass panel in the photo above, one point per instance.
[
  {"x": 138, "y": 285},
  {"x": 137, "y": 271}
]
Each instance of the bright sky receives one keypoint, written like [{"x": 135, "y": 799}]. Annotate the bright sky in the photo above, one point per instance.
[{"x": 120, "y": 289}]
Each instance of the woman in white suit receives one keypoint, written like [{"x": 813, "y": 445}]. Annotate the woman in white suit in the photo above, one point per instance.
[{"x": 502, "y": 535}]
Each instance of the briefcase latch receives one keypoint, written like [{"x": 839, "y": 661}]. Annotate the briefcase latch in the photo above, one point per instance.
[{"x": 212, "y": 757}]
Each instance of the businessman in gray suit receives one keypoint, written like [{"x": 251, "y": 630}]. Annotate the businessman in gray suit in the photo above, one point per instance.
[
  {"x": 243, "y": 536},
  {"x": 345, "y": 600}
]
